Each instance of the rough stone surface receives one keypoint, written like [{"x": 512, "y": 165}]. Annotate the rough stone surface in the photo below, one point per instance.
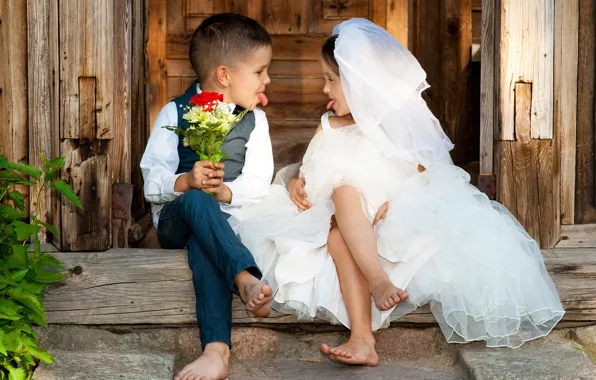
[
  {"x": 290, "y": 370},
  {"x": 532, "y": 361},
  {"x": 74, "y": 365}
]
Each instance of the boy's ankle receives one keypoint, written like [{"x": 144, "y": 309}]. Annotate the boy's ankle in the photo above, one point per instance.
[{"x": 219, "y": 348}]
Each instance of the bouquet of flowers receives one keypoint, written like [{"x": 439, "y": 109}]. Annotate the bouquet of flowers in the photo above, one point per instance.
[{"x": 210, "y": 121}]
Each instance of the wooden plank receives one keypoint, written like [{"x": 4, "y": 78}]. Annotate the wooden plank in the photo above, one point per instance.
[
  {"x": 379, "y": 12},
  {"x": 87, "y": 119},
  {"x": 155, "y": 287},
  {"x": 40, "y": 89},
  {"x": 282, "y": 17},
  {"x": 289, "y": 144},
  {"x": 176, "y": 13},
  {"x": 14, "y": 135},
  {"x": 456, "y": 34},
  {"x": 198, "y": 7},
  {"x": 585, "y": 195},
  {"x": 477, "y": 26},
  {"x": 477, "y": 5},
  {"x": 139, "y": 122},
  {"x": 506, "y": 178},
  {"x": 91, "y": 179},
  {"x": 156, "y": 56},
  {"x": 525, "y": 156},
  {"x": 70, "y": 65},
  {"x": 119, "y": 147},
  {"x": 548, "y": 192},
  {"x": 398, "y": 20},
  {"x": 289, "y": 47},
  {"x": 427, "y": 47},
  {"x": 578, "y": 236},
  {"x": 566, "y": 65},
  {"x": 526, "y": 54}
]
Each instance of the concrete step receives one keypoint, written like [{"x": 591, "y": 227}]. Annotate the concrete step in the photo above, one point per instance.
[
  {"x": 531, "y": 361},
  {"x": 92, "y": 365},
  {"x": 258, "y": 353}
]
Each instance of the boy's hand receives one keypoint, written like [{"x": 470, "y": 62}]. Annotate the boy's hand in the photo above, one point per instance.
[
  {"x": 298, "y": 194},
  {"x": 381, "y": 214},
  {"x": 205, "y": 174}
]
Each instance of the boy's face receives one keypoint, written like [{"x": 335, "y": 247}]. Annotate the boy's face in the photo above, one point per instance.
[
  {"x": 333, "y": 89},
  {"x": 249, "y": 77}
]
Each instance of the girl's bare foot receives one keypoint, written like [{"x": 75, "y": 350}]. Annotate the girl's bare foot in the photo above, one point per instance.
[
  {"x": 356, "y": 351},
  {"x": 212, "y": 365},
  {"x": 256, "y": 295},
  {"x": 387, "y": 295}
]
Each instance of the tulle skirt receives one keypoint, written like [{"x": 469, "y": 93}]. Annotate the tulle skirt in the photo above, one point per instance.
[{"x": 442, "y": 240}]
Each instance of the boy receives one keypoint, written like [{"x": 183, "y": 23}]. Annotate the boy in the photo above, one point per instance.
[{"x": 230, "y": 55}]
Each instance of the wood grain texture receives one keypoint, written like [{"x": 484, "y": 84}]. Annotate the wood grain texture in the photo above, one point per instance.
[
  {"x": 456, "y": 34},
  {"x": 488, "y": 91},
  {"x": 585, "y": 195},
  {"x": 398, "y": 20},
  {"x": 526, "y": 54},
  {"x": 14, "y": 134},
  {"x": 578, "y": 236},
  {"x": 565, "y": 82},
  {"x": 156, "y": 56},
  {"x": 154, "y": 287},
  {"x": 41, "y": 82}
]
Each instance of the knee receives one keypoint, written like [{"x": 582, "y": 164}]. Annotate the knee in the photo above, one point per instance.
[
  {"x": 196, "y": 197},
  {"x": 336, "y": 245},
  {"x": 343, "y": 194}
]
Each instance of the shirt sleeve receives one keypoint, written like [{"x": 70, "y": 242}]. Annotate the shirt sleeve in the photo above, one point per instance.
[
  {"x": 160, "y": 160},
  {"x": 252, "y": 186}
]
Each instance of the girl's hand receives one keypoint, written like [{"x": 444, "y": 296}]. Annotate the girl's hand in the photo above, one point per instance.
[
  {"x": 381, "y": 214},
  {"x": 298, "y": 194}
]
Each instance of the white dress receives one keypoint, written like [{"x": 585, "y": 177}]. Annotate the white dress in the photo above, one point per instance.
[{"x": 442, "y": 240}]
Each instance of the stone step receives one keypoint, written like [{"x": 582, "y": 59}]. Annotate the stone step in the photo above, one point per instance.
[
  {"x": 531, "y": 361},
  {"x": 259, "y": 353},
  {"x": 91, "y": 365}
]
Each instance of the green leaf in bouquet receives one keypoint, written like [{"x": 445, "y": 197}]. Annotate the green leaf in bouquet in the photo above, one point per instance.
[
  {"x": 20, "y": 274},
  {"x": 3, "y": 161},
  {"x": 24, "y": 230},
  {"x": 18, "y": 199},
  {"x": 67, "y": 191},
  {"x": 2, "y": 347},
  {"x": 217, "y": 157},
  {"x": 29, "y": 170}
]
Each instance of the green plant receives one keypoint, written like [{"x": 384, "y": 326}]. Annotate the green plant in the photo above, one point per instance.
[{"x": 25, "y": 272}]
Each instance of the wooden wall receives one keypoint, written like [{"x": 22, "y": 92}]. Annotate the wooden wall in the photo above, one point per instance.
[{"x": 71, "y": 92}]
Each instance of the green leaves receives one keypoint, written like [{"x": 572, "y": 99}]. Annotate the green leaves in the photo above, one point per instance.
[
  {"x": 67, "y": 191},
  {"x": 24, "y": 273}
]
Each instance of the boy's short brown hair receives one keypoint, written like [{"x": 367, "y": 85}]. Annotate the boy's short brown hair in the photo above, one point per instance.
[{"x": 223, "y": 38}]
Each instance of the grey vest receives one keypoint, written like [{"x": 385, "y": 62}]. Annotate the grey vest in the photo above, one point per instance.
[{"x": 234, "y": 144}]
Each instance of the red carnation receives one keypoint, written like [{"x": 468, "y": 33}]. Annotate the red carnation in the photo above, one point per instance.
[{"x": 206, "y": 100}]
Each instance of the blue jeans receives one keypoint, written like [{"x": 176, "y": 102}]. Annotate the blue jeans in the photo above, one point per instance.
[{"x": 215, "y": 255}]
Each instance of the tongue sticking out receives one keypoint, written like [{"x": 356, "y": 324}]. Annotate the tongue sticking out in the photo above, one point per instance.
[
  {"x": 330, "y": 104},
  {"x": 262, "y": 99}
]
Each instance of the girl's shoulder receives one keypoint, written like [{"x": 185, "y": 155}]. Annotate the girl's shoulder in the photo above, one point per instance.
[{"x": 337, "y": 122}]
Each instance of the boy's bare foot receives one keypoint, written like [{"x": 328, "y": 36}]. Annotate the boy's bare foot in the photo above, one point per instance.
[
  {"x": 355, "y": 351},
  {"x": 211, "y": 365},
  {"x": 255, "y": 294},
  {"x": 387, "y": 295}
]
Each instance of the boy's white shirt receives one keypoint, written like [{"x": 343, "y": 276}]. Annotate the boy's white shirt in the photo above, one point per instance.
[{"x": 160, "y": 162}]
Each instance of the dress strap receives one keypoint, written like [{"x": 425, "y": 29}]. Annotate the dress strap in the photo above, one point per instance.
[{"x": 325, "y": 120}]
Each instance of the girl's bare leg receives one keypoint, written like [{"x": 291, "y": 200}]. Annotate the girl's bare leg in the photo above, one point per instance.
[
  {"x": 361, "y": 240},
  {"x": 360, "y": 348}
]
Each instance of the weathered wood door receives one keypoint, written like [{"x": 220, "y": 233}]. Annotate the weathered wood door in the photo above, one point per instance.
[{"x": 298, "y": 28}]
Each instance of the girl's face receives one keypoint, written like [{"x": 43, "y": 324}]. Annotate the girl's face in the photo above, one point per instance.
[{"x": 333, "y": 89}]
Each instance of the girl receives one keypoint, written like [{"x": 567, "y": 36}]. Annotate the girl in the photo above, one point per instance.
[{"x": 382, "y": 208}]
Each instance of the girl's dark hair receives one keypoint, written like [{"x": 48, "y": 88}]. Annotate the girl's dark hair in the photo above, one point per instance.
[{"x": 327, "y": 52}]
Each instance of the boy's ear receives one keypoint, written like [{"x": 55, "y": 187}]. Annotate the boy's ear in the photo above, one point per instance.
[{"x": 222, "y": 75}]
